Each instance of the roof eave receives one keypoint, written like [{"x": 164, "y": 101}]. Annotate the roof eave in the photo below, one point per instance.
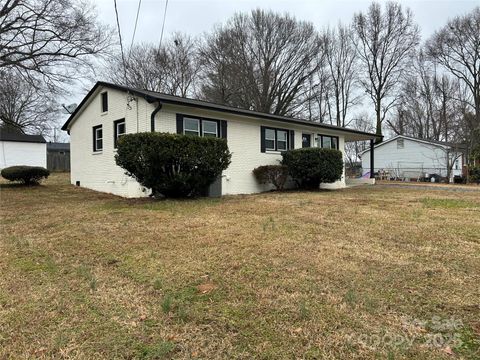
[{"x": 207, "y": 106}]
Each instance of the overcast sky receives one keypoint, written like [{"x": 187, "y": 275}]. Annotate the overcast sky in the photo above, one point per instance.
[{"x": 198, "y": 16}]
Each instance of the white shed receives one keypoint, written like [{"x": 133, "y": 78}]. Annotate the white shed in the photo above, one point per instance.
[
  {"x": 404, "y": 157},
  {"x": 17, "y": 148}
]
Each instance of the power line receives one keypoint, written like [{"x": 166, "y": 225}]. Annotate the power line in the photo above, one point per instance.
[
  {"x": 121, "y": 44},
  {"x": 135, "y": 28},
  {"x": 163, "y": 25}
]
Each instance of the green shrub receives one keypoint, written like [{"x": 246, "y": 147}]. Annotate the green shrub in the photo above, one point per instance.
[
  {"x": 475, "y": 174},
  {"x": 311, "y": 166},
  {"x": 173, "y": 165},
  {"x": 28, "y": 175},
  {"x": 272, "y": 174}
]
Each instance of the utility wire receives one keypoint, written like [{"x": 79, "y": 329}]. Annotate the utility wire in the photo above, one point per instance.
[
  {"x": 163, "y": 25},
  {"x": 135, "y": 28},
  {"x": 121, "y": 44}
]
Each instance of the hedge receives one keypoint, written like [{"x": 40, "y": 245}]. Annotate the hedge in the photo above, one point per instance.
[
  {"x": 28, "y": 175},
  {"x": 310, "y": 167},
  {"x": 173, "y": 165},
  {"x": 272, "y": 174}
]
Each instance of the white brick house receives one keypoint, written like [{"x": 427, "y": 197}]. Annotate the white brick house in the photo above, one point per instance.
[{"x": 110, "y": 110}]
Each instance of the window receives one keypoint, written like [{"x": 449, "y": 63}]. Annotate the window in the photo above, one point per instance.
[
  {"x": 104, "y": 102},
  {"x": 282, "y": 140},
  {"x": 457, "y": 164},
  {"x": 209, "y": 128},
  {"x": 97, "y": 138},
  {"x": 119, "y": 129},
  {"x": 275, "y": 139},
  {"x": 270, "y": 138},
  {"x": 400, "y": 144},
  {"x": 327, "y": 142},
  {"x": 306, "y": 140},
  {"x": 191, "y": 126}
]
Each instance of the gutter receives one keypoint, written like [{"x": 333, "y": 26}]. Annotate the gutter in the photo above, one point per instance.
[{"x": 154, "y": 112}]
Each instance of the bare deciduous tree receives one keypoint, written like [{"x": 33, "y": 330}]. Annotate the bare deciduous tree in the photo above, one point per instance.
[
  {"x": 50, "y": 40},
  {"x": 457, "y": 48},
  {"x": 385, "y": 41},
  {"x": 23, "y": 107},
  {"x": 262, "y": 61},
  {"x": 171, "y": 69},
  {"x": 341, "y": 56},
  {"x": 428, "y": 105}
]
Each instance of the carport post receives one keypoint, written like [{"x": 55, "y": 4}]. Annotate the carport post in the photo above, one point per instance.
[{"x": 372, "y": 158}]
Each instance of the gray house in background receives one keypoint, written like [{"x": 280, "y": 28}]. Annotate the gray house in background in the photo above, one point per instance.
[
  {"x": 58, "y": 156},
  {"x": 405, "y": 158}
]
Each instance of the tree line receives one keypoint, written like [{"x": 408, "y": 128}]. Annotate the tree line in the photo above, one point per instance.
[{"x": 263, "y": 61}]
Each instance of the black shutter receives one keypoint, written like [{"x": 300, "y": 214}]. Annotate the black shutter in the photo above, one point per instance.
[
  {"x": 262, "y": 139},
  {"x": 292, "y": 139},
  {"x": 179, "y": 124},
  {"x": 223, "y": 129}
]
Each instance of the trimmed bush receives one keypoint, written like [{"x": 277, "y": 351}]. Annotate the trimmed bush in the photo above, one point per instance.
[
  {"x": 28, "y": 175},
  {"x": 311, "y": 166},
  {"x": 173, "y": 165},
  {"x": 272, "y": 174}
]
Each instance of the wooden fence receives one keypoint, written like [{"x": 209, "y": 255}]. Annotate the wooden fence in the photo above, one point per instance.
[{"x": 58, "y": 160}]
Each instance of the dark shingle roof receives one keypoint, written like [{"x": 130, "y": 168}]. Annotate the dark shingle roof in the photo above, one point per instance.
[
  {"x": 152, "y": 96},
  {"x": 9, "y": 135}
]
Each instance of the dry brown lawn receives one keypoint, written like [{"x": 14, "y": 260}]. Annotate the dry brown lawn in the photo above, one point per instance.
[{"x": 369, "y": 272}]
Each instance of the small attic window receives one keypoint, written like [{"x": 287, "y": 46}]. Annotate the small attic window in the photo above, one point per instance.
[
  {"x": 400, "y": 144},
  {"x": 104, "y": 102}
]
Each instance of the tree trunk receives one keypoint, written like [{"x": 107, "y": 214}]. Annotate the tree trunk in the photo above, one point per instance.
[{"x": 379, "y": 119}]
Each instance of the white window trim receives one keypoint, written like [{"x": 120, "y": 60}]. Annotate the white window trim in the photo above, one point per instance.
[
  {"x": 269, "y": 139},
  {"x": 97, "y": 150},
  {"x": 282, "y": 141},
  {"x": 124, "y": 127},
  {"x": 209, "y": 132},
  {"x": 198, "y": 125}
]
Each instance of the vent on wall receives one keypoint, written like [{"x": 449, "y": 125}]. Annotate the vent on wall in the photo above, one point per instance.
[{"x": 400, "y": 144}]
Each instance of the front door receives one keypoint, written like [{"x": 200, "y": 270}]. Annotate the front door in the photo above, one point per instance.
[{"x": 306, "y": 140}]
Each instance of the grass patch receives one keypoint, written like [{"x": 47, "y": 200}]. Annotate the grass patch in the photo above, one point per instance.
[
  {"x": 448, "y": 203},
  {"x": 280, "y": 275}
]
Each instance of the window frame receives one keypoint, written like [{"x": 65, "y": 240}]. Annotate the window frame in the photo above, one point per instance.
[
  {"x": 199, "y": 126},
  {"x": 116, "y": 135},
  {"x": 269, "y": 139},
  {"x": 283, "y": 141},
  {"x": 104, "y": 102},
  {"x": 332, "y": 137},
  {"x": 95, "y": 138},
  {"x": 208, "y": 132},
  {"x": 200, "y": 120},
  {"x": 276, "y": 130}
]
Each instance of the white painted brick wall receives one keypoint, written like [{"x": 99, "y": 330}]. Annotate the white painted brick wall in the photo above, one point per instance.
[{"x": 99, "y": 171}]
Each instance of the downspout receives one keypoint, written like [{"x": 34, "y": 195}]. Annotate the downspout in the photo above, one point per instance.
[{"x": 154, "y": 112}]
